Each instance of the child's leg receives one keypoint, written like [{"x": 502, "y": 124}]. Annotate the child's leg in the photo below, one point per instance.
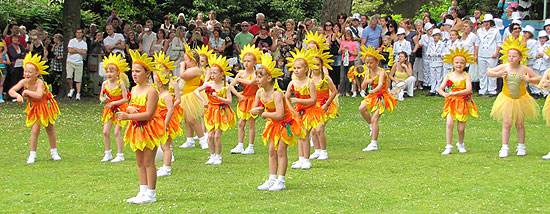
[
  {"x": 520, "y": 129},
  {"x": 142, "y": 173},
  {"x": 251, "y": 130},
  {"x": 119, "y": 140},
  {"x": 51, "y": 136},
  {"x": 375, "y": 127},
  {"x": 212, "y": 141},
  {"x": 321, "y": 137},
  {"x": 241, "y": 132},
  {"x": 2, "y": 79},
  {"x": 167, "y": 159},
  {"x": 506, "y": 126},
  {"x": 149, "y": 165},
  {"x": 460, "y": 128},
  {"x": 35, "y": 132},
  {"x": 315, "y": 139},
  {"x": 107, "y": 135},
  {"x": 306, "y": 149},
  {"x": 282, "y": 158},
  {"x": 272, "y": 158},
  {"x": 218, "y": 141},
  {"x": 449, "y": 129},
  {"x": 364, "y": 112},
  {"x": 191, "y": 124}
]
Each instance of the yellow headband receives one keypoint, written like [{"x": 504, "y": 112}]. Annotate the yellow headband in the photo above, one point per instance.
[
  {"x": 117, "y": 61},
  {"x": 513, "y": 44},
  {"x": 143, "y": 60},
  {"x": 252, "y": 49},
  {"x": 459, "y": 52},
  {"x": 187, "y": 52},
  {"x": 306, "y": 55},
  {"x": 317, "y": 39},
  {"x": 203, "y": 50},
  {"x": 269, "y": 65},
  {"x": 163, "y": 62},
  {"x": 326, "y": 58},
  {"x": 370, "y": 51},
  {"x": 221, "y": 63},
  {"x": 36, "y": 61}
]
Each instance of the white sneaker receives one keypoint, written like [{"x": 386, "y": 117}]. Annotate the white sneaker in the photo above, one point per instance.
[
  {"x": 2, "y": 101},
  {"x": 107, "y": 157},
  {"x": 31, "y": 159},
  {"x": 278, "y": 186},
  {"x": 546, "y": 157},
  {"x": 371, "y": 147},
  {"x": 14, "y": 100},
  {"x": 217, "y": 161},
  {"x": 503, "y": 153},
  {"x": 134, "y": 199},
  {"x": 448, "y": 150},
  {"x": 196, "y": 137},
  {"x": 363, "y": 93},
  {"x": 146, "y": 199},
  {"x": 322, "y": 155},
  {"x": 77, "y": 96},
  {"x": 354, "y": 94},
  {"x": 306, "y": 164},
  {"x": 118, "y": 158},
  {"x": 211, "y": 160},
  {"x": 315, "y": 155},
  {"x": 163, "y": 171},
  {"x": 248, "y": 151},
  {"x": 55, "y": 156},
  {"x": 70, "y": 94},
  {"x": 296, "y": 165},
  {"x": 204, "y": 143},
  {"x": 267, "y": 184},
  {"x": 521, "y": 151},
  {"x": 238, "y": 149},
  {"x": 187, "y": 145},
  {"x": 461, "y": 148}
]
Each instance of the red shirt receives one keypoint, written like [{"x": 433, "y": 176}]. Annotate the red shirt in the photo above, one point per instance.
[
  {"x": 21, "y": 41},
  {"x": 254, "y": 30}
]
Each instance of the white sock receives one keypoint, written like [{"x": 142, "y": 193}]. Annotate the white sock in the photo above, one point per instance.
[
  {"x": 505, "y": 146},
  {"x": 281, "y": 178},
  {"x": 306, "y": 160},
  {"x": 251, "y": 146},
  {"x": 120, "y": 154},
  {"x": 108, "y": 151},
  {"x": 206, "y": 134},
  {"x": 166, "y": 167},
  {"x": 151, "y": 192},
  {"x": 374, "y": 142},
  {"x": 324, "y": 150},
  {"x": 53, "y": 151},
  {"x": 272, "y": 177},
  {"x": 33, "y": 153},
  {"x": 300, "y": 158},
  {"x": 204, "y": 137},
  {"x": 212, "y": 155},
  {"x": 240, "y": 144},
  {"x": 143, "y": 188},
  {"x": 370, "y": 126},
  {"x": 317, "y": 150},
  {"x": 190, "y": 139},
  {"x": 521, "y": 146}
]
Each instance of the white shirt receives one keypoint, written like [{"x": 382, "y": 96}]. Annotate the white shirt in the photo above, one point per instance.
[
  {"x": 109, "y": 41},
  {"x": 401, "y": 46},
  {"x": 541, "y": 64},
  {"x": 532, "y": 45},
  {"x": 147, "y": 40},
  {"x": 470, "y": 42},
  {"x": 436, "y": 52},
  {"x": 489, "y": 40},
  {"x": 76, "y": 58},
  {"x": 425, "y": 42}
]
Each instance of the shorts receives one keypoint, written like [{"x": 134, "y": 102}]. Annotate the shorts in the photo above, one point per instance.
[
  {"x": 77, "y": 69},
  {"x": 3, "y": 71}
]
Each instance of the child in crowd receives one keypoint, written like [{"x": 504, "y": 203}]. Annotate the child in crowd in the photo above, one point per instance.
[
  {"x": 514, "y": 105},
  {"x": 282, "y": 126},
  {"x": 453, "y": 43},
  {"x": 250, "y": 56},
  {"x": 348, "y": 50},
  {"x": 531, "y": 43},
  {"x": 541, "y": 62},
  {"x": 457, "y": 90},
  {"x": 386, "y": 49},
  {"x": 42, "y": 109},
  {"x": 379, "y": 99},
  {"x": 490, "y": 41},
  {"x": 401, "y": 45},
  {"x": 115, "y": 96},
  {"x": 4, "y": 62},
  {"x": 425, "y": 41},
  {"x": 146, "y": 131},
  {"x": 436, "y": 50},
  {"x": 218, "y": 116}
]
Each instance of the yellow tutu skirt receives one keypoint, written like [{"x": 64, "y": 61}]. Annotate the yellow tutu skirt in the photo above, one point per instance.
[
  {"x": 244, "y": 107},
  {"x": 459, "y": 107},
  {"x": 42, "y": 111},
  {"x": 109, "y": 115},
  {"x": 288, "y": 131},
  {"x": 219, "y": 117},
  {"x": 546, "y": 111},
  {"x": 142, "y": 134},
  {"x": 381, "y": 100},
  {"x": 322, "y": 97},
  {"x": 312, "y": 116},
  {"x": 192, "y": 105},
  {"x": 521, "y": 109}
]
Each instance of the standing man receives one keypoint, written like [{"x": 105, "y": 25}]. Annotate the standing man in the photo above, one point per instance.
[
  {"x": 363, "y": 21},
  {"x": 255, "y": 29},
  {"x": 243, "y": 38},
  {"x": 114, "y": 42},
  {"x": 147, "y": 37},
  {"x": 371, "y": 35},
  {"x": 75, "y": 62}
]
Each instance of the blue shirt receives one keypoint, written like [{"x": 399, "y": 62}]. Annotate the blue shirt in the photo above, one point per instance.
[{"x": 372, "y": 36}]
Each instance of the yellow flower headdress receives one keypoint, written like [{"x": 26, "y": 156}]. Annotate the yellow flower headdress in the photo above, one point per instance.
[
  {"x": 326, "y": 58},
  {"x": 269, "y": 65},
  {"x": 163, "y": 62},
  {"x": 221, "y": 63},
  {"x": 306, "y": 55},
  {"x": 163, "y": 78},
  {"x": 317, "y": 39},
  {"x": 143, "y": 60},
  {"x": 187, "y": 52},
  {"x": 117, "y": 61},
  {"x": 36, "y": 61},
  {"x": 370, "y": 51},
  {"x": 513, "y": 44},
  {"x": 459, "y": 52},
  {"x": 252, "y": 49},
  {"x": 203, "y": 50},
  {"x": 547, "y": 51},
  {"x": 352, "y": 73}
]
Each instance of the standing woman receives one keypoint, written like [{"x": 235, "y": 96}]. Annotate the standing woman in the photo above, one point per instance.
[
  {"x": 216, "y": 42},
  {"x": 334, "y": 38},
  {"x": 176, "y": 50},
  {"x": 16, "y": 53},
  {"x": 288, "y": 43},
  {"x": 410, "y": 34},
  {"x": 418, "y": 68},
  {"x": 158, "y": 45},
  {"x": 470, "y": 42}
]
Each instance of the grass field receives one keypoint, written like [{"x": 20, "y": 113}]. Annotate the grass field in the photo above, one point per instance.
[{"x": 407, "y": 174}]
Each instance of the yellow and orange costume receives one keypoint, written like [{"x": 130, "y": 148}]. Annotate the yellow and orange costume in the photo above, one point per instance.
[
  {"x": 249, "y": 91},
  {"x": 163, "y": 63},
  {"x": 115, "y": 94},
  {"x": 219, "y": 115},
  {"x": 192, "y": 105},
  {"x": 382, "y": 100},
  {"x": 322, "y": 89}
]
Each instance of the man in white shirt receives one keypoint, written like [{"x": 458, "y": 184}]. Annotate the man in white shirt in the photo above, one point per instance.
[
  {"x": 75, "y": 62},
  {"x": 147, "y": 37},
  {"x": 114, "y": 42}
]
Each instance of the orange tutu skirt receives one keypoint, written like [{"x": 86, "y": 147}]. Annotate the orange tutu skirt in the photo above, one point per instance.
[
  {"x": 244, "y": 107},
  {"x": 322, "y": 97},
  {"x": 174, "y": 126},
  {"x": 312, "y": 116},
  {"x": 43, "y": 111},
  {"x": 288, "y": 131},
  {"x": 381, "y": 100},
  {"x": 459, "y": 107},
  {"x": 142, "y": 134},
  {"x": 218, "y": 116},
  {"x": 108, "y": 115},
  {"x": 178, "y": 113}
]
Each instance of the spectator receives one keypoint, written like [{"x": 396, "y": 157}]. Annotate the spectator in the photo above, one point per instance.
[
  {"x": 243, "y": 38},
  {"x": 90, "y": 36},
  {"x": 410, "y": 33},
  {"x": 401, "y": 76},
  {"x": 75, "y": 62},
  {"x": 57, "y": 61},
  {"x": 217, "y": 43},
  {"x": 117, "y": 26},
  {"x": 23, "y": 33},
  {"x": 176, "y": 50},
  {"x": 363, "y": 21},
  {"x": 36, "y": 47},
  {"x": 132, "y": 43},
  {"x": 147, "y": 37},
  {"x": 276, "y": 36},
  {"x": 228, "y": 42},
  {"x": 547, "y": 26},
  {"x": 457, "y": 20},
  {"x": 196, "y": 40},
  {"x": 114, "y": 42},
  {"x": 401, "y": 45},
  {"x": 4, "y": 62},
  {"x": 263, "y": 41},
  {"x": 334, "y": 39},
  {"x": 127, "y": 29},
  {"x": 348, "y": 50},
  {"x": 139, "y": 30},
  {"x": 16, "y": 53},
  {"x": 383, "y": 22},
  {"x": 181, "y": 21},
  {"x": 211, "y": 20},
  {"x": 504, "y": 4},
  {"x": 418, "y": 65},
  {"x": 392, "y": 30},
  {"x": 15, "y": 32},
  {"x": 370, "y": 36},
  {"x": 288, "y": 41},
  {"x": 227, "y": 23},
  {"x": 255, "y": 29},
  {"x": 199, "y": 17},
  {"x": 167, "y": 26},
  {"x": 341, "y": 19},
  {"x": 158, "y": 44},
  {"x": 477, "y": 19},
  {"x": 490, "y": 41},
  {"x": 96, "y": 51},
  {"x": 114, "y": 15}
]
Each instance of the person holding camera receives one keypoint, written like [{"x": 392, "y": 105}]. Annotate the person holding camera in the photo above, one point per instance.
[{"x": 147, "y": 37}]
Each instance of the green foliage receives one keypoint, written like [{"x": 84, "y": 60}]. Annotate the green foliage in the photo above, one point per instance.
[
  {"x": 366, "y": 6},
  {"x": 435, "y": 7}
]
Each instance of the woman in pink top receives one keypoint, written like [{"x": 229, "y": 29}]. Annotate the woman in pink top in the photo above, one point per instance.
[{"x": 348, "y": 50}]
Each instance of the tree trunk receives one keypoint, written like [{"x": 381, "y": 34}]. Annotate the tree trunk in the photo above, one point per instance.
[
  {"x": 71, "y": 22},
  {"x": 331, "y": 8}
]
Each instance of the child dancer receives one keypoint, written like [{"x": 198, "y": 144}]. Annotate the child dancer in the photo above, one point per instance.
[
  {"x": 192, "y": 106},
  {"x": 282, "y": 126},
  {"x": 544, "y": 85},
  {"x": 218, "y": 116},
  {"x": 457, "y": 90},
  {"x": 42, "y": 109},
  {"x": 514, "y": 105},
  {"x": 114, "y": 94},
  {"x": 167, "y": 108},
  {"x": 326, "y": 93},
  {"x": 306, "y": 101},
  {"x": 204, "y": 54},
  {"x": 436, "y": 50},
  {"x": 379, "y": 98},
  {"x": 250, "y": 56},
  {"x": 146, "y": 130},
  {"x": 4, "y": 62}
]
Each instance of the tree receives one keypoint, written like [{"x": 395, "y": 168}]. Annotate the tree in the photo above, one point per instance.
[
  {"x": 331, "y": 8},
  {"x": 71, "y": 21}
]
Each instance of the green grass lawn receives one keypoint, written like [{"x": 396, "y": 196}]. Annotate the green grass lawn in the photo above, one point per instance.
[{"x": 407, "y": 174}]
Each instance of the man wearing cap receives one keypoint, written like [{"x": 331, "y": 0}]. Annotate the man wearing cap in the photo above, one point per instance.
[
  {"x": 370, "y": 36},
  {"x": 243, "y": 38},
  {"x": 541, "y": 61},
  {"x": 490, "y": 41},
  {"x": 446, "y": 29},
  {"x": 424, "y": 42}
]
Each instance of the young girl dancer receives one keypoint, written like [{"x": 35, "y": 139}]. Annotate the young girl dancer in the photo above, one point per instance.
[
  {"x": 379, "y": 98},
  {"x": 146, "y": 130},
  {"x": 204, "y": 56},
  {"x": 306, "y": 101},
  {"x": 282, "y": 126},
  {"x": 326, "y": 93},
  {"x": 192, "y": 106},
  {"x": 42, "y": 109},
  {"x": 514, "y": 105},
  {"x": 115, "y": 96},
  {"x": 218, "y": 116},
  {"x": 167, "y": 108},
  {"x": 250, "y": 56},
  {"x": 544, "y": 86},
  {"x": 457, "y": 90}
]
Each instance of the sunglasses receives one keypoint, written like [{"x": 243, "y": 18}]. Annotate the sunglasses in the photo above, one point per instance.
[
  {"x": 516, "y": 28},
  {"x": 264, "y": 28},
  {"x": 390, "y": 26},
  {"x": 328, "y": 25}
]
